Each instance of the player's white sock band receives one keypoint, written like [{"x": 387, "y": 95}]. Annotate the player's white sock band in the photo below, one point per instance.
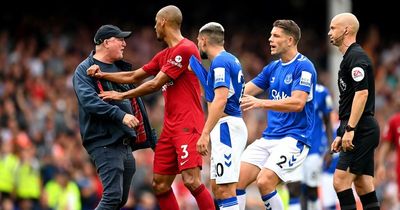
[
  {"x": 272, "y": 201},
  {"x": 241, "y": 197},
  {"x": 228, "y": 204}
]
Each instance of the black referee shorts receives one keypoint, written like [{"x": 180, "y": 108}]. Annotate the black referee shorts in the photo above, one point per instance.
[{"x": 366, "y": 138}]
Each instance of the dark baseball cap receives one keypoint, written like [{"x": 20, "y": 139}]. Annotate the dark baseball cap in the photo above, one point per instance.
[{"x": 108, "y": 31}]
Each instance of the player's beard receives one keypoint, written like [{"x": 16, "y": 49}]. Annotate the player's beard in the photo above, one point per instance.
[
  {"x": 160, "y": 36},
  {"x": 160, "y": 39},
  {"x": 203, "y": 55}
]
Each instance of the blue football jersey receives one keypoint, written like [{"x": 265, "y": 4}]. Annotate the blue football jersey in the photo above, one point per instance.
[
  {"x": 280, "y": 79},
  {"x": 226, "y": 71},
  {"x": 323, "y": 106}
]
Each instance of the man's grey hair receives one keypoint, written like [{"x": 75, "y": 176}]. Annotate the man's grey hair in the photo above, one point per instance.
[
  {"x": 214, "y": 31},
  {"x": 212, "y": 26}
]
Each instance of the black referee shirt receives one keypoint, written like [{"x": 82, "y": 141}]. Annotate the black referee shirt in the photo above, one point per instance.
[{"x": 355, "y": 74}]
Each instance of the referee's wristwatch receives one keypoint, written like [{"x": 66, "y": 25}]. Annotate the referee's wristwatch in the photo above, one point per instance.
[{"x": 348, "y": 128}]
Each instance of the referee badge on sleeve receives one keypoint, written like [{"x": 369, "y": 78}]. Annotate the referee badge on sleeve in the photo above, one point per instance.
[{"x": 357, "y": 73}]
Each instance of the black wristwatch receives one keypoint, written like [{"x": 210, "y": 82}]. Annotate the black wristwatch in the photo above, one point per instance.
[{"x": 348, "y": 128}]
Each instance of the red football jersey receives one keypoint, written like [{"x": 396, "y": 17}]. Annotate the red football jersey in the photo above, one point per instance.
[
  {"x": 391, "y": 134},
  {"x": 183, "y": 112}
]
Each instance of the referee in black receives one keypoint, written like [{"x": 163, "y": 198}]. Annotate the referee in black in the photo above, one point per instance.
[{"x": 358, "y": 133}]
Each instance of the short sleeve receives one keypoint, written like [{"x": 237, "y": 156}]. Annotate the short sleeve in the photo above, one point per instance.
[
  {"x": 262, "y": 80},
  {"x": 153, "y": 67},
  {"x": 178, "y": 61},
  {"x": 304, "y": 77},
  {"x": 222, "y": 77},
  {"x": 359, "y": 75}
]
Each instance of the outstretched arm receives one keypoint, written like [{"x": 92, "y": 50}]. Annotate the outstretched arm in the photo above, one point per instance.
[
  {"x": 123, "y": 77},
  {"x": 148, "y": 87},
  {"x": 251, "y": 89},
  {"x": 294, "y": 103}
]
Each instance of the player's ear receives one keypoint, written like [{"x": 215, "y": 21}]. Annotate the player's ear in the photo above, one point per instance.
[
  {"x": 163, "y": 21},
  {"x": 204, "y": 40},
  {"x": 291, "y": 40}
]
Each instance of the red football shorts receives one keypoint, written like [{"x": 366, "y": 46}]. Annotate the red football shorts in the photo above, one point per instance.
[{"x": 175, "y": 154}]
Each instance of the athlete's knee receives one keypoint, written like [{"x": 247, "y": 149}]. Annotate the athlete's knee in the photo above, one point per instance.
[
  {"x": 191, "y": 182},
  {"x": 359, "y": 186},
  {"x": 224, "y": 191},
  {"x": 337, "y": 185},
  {"x": 191, "y": 178},
  {"x": 363, "y": 185},
  {"x": 265, "y": 184},
  {"x": 342, "y": 181},
  {"x": 160, "y": 186}
]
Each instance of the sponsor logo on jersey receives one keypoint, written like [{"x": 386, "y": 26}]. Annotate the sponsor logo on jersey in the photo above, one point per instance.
[
  {"x": 357, "y": 73},
  {"x": 288, "y": 79},
  {"x": 305, "y": 78},
  {"x": 219, "y": 74},
  {"x": 178, "y": 58},
  {"x": 176, "y": 62},
  {"x": 183, "y": 162},
  {"x": 165, "y": 86},
  {"x": 276, "y": 95}
]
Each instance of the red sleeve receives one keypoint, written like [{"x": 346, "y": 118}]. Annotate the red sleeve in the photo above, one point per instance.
[
  {"x": 178, "y": 61},
  {"x": 153, "y": 66},
  {"x": 388, "y": 131}
]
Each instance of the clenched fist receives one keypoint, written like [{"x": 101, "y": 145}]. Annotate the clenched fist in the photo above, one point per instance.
[
  {"x": 130, "y": 121},
  {"x": 94, "y": 71}
]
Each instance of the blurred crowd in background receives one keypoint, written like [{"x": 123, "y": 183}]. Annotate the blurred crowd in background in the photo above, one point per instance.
[{"x": 42, "y": 162}]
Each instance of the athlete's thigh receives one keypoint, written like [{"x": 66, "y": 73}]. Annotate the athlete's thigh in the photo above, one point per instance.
[
  {"x": 360, "y": 160},
  {"x": 248, "y": 174},
  {"x": 287, "y": 155},
  {"x": 256, "y": 153},
  {"x": 186, "y": 153},
  {"x": 367, "y": 139},
  {"x": 364, "y": 184},
  {"x": 165, "y": 157},
  {"x": 228, "y": 140}
]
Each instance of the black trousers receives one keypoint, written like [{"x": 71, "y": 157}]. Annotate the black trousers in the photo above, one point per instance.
[{"x": 115, "y": 166}]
